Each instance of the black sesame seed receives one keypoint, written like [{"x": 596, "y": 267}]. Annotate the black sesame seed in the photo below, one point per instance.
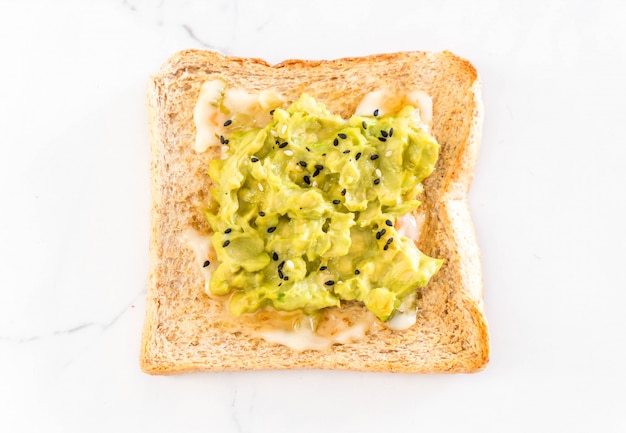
[
  {"x": 384, "y": 133},
  {"x": 271, "y": 230},
  {"x": 226, "y": 141},
  {"x": 358, "y": 155},
  {"x": 222, "y": 139},
  {"x": 275, "y": 256},
  {"x": 343, "y": 191},
  {"x": 280, "y": 274},
  {"x": 271, "y": 112},
  {"x": 281, "y": 145},
  {"x": 390, "y": 240},
  {"x": 357, "y": 272},
  {"x": 206, "y": 263},
  {"x": 228, "y": 122},
  {"x": 319, "y": 166},
  {"x": 226, "y": 243},
  {"x": 335, "y": 142},
  {"x": 255, "y": 159},
  {"x": 386, "y": 247},
  {"x": 376, "y": 181},
  {"x": 302, "y": 163},
  {"x": 382, "y": 139},
  {"x": 391, "y": 132},
  {"x": 342, "y": 136},
  {"x": 323, "y": 268},
  {"x": 364, "y": 125},
  {"x": 346, "y": 151},
  {"x": 228, "y": 230},
  {"x": 286, "y": 278},
  {"x": 374, "y": 157},
  {"x": 389, "y": 223},
  {"x": 381, "y": 233},
  {"x": 329, "y": 283},
  {"x": 307, "y": 180},
  {"x": 280, "y": 284},
  {"x": 316, "y": 173},
  {"x": 376, "y": 112},
  {"x": 280, "y": 266},
  {"x": 336, "y": 202},
  {"x": 262, "y": 213},
  {"x": 307, "y": 149}
]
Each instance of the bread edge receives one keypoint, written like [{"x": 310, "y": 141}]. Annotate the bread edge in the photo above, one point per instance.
[{"x": 457, "y": 195}]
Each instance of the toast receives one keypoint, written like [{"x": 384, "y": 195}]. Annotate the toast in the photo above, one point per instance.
[{"x": 184, "y": 330}]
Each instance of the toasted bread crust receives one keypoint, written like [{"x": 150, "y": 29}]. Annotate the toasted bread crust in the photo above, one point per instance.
[{"x": 183, "y": 331}]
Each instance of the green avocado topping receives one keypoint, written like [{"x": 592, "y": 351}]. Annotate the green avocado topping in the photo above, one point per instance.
[{"x": 303, "y": 211}]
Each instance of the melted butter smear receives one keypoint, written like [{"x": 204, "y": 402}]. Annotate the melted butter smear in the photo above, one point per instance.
[
  {"x": 410, "y": 225},
  {"x": 209, "y": 118},
  {"x": 203, "y": 250},
  {"x": 332, "y": 330},
  {"x": 386, "y": 102}
]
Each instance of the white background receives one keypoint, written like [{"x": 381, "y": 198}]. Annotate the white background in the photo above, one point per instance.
[{"x": 547, "y": 202}]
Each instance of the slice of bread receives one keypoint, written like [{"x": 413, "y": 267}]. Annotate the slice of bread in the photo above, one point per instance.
[{"x": 184, "y": 330}]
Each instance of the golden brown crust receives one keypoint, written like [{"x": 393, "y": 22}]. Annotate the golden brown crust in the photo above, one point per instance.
[{"x": 183, "y": 331}]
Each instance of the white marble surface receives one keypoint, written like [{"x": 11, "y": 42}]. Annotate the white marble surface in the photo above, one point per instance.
[{"x": 548, "y": 204}]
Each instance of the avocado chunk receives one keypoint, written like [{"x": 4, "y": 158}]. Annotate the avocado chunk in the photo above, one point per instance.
[{"x": 303, "y": 211}]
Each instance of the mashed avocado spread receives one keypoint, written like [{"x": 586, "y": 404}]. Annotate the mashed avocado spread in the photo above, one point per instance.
[{"x": 303, "y": 210}]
